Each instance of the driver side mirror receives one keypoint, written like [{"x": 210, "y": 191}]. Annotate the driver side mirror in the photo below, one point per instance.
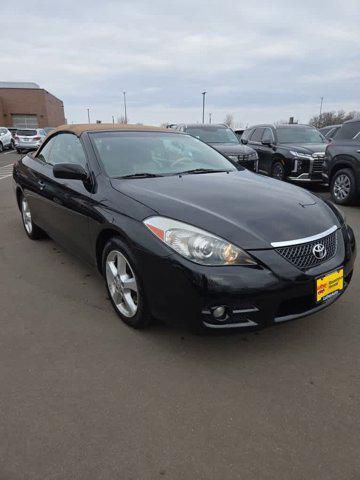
[
  {"x": 267, "y": 143},
  {"x": 70, "y": 171},
  {"x": 244, "y": 141}
]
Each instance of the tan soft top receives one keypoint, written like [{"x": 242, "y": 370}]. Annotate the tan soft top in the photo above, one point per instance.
[{"x": 78, "y": 129}]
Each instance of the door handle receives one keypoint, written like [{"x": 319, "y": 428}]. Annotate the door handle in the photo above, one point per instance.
[{"x": 41, "y": 185}]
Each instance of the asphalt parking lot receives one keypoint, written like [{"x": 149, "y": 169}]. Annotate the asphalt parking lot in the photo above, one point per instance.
[{"x": 84, "y": 397}]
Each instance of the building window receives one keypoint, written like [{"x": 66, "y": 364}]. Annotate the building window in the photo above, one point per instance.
[{"x": 24, "y": 121}]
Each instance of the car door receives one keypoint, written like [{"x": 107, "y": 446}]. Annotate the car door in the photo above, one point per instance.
[
  {"x": 34, "y": 176},
  {"x": 255, "y": 143},
  {"x": 266, "y": 150},
  {"x": 67, "y": 204}
]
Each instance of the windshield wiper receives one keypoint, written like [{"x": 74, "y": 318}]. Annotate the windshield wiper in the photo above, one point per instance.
[
  {"x": 202, "y": 170},
  {"x": 142, "y": 175}
]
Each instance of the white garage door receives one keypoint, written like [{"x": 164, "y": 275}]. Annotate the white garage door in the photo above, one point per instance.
[{"x": 24, "y": 121}]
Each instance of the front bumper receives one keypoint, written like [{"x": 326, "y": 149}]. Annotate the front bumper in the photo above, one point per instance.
[
  {"x": 307, "y": 177},
  {"x": 186, "y": 294},
  {"x": 310, "y": 170},
  {"x": 249, "y": 164},
  {"x": 27, "y": 145}
]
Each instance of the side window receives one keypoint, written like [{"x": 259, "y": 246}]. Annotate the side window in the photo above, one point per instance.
[
  {"x": 268, "y": 136},
  {"x": 247, "y": 134},
  {"x": 256, "y": 136},
  {"x": 68, "y": 149},
  {"x": 333, "y": 132},
  {"x": 44, "y": 154},
  {"x": 348, "y": 131}
]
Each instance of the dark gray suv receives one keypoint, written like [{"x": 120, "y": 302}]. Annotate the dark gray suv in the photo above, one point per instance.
[
  {"x": 224, "y": 140},
  {"x": 342, "y": 164},
  {"x": 288, "y": 152}
]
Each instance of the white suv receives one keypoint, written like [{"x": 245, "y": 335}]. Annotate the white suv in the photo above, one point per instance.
[
  {"x": 6, "y": 139},
  {"x": 29, "y": 138}
]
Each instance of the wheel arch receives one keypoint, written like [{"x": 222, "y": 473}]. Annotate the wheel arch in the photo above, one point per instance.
[
  {"x": 278, "y": 157},
  {"x": 341, "y": 162},
  {"x": 19, "y": 192},
  {"x": 102, "y": 238}
]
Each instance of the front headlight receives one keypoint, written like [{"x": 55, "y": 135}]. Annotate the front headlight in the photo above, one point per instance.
[
  {"x": 234, "y": 158},
  {"x": 300, "y": 155},
  {"x": 197, "y": 245},
  {"x": 253, "y": 156}
]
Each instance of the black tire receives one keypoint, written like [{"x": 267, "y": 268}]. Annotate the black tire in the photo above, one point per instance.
[
  {"x": 18, "y": 150},
  {"x": 343, "y": 187},
  {"x": 33, "y": 232},
  {"x": 1, "y": 147},
  {"x": 141, "y": 318},
  {"x": 278, "y": 170}
]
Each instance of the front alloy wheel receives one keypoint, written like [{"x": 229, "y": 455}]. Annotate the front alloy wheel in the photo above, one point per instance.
[
  {"x": 343, "y": 187},
  {"x": 124, "y": 284}
]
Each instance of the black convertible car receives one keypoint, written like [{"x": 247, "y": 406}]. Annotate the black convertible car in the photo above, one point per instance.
[{"x": 179, "y": 232}]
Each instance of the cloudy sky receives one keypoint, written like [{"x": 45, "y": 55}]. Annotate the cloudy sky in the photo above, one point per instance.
[{"x": 261, "y": 61}]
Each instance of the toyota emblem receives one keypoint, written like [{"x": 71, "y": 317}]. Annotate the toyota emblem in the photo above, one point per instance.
[{"x": 319, "y": 251}]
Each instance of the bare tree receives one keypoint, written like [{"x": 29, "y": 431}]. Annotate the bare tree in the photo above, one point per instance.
[
  {"x": 229, "y": 120},
  {"x": 123, "y": 120},
  {"x": 332, "y": 118}
]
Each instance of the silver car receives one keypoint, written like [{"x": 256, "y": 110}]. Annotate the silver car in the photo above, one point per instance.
[{"x": 29, "y": 138}]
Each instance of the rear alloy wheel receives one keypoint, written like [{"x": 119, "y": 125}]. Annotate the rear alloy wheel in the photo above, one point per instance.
[
  {"x": 278, "y": 171},
  {"x": 124, "y": 285},
  {"x": 32, "y": 230},
  {"x": 343, "y": 187}
]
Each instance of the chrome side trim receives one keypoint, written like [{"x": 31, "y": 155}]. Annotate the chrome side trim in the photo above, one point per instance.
[
  {"x": 302, "y": 176},
  {"x": 305, "y": 239},
  {"x": 247, "y": 310},
  {"x": 248, "y": 323}
]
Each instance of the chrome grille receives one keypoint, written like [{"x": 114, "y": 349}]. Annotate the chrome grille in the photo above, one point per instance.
[
  {"x": 302, "y": 256},
  {"x": 318, "y": 164}
]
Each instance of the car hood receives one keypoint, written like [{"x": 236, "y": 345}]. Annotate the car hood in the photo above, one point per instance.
[
  {"x": 305, "y": 147},
  {"x": 247, "y": 209},
  {"x": 232, "y": 148}
]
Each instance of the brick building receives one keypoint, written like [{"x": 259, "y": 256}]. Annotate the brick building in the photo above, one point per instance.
[{"x": 27, "y": 105}]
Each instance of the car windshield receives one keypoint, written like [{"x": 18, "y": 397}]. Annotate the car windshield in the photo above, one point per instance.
[
  {"x": 26, "y": 133},
  {"x": 213, "y": 134},
  {"x": 155, "y": 153},
  {"x": 299, "y": 135}
]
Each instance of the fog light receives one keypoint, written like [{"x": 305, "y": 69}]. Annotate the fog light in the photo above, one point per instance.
[{"x": 219, "y": 313}]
